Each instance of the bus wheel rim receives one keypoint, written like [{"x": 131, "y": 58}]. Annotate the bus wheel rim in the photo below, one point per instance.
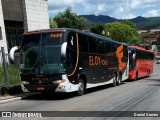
[
  {"x": 114, "y": 81},
  {"x": 81, "y": 87},
  {"x": 119, "y": 80}
]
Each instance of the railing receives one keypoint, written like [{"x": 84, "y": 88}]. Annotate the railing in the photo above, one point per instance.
[{"x": 9, "y": 74}]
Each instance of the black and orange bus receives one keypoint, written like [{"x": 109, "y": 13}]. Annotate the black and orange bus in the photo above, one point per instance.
[
  {"x": 67, "y": 60},
  {"x": 141, "y": 62}
]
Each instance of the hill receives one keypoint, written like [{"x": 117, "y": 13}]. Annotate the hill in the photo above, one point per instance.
[
  {"x": 139, "y": 19},
  {"x": 99, "y": 19},
  {"x": 141, "y": 22}
]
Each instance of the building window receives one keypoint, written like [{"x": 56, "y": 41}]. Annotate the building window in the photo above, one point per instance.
[{"x": 0, "y": 33}]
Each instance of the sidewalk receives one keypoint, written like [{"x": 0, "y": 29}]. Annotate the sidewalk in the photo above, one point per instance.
[
  {"x": 14, "y": 94},
  {"x": 12, "y": 98}
]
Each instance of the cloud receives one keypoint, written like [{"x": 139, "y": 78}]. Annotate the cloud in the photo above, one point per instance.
[
  {"x": 55, "y": 6},
  {"x": 135, "y": 4},
  {"x": 114, "y": 8},
  {"x": 100, "y": 8},
  {"x": 152, "y": 13},
  {"x": 140, "y": 4}
]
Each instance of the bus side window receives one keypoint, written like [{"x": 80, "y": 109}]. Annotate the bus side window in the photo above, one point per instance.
[
  {"x": 101, "y": 47},
  {"x": 92, "y": 44},
  {"x": 137, "y": 55},
  {"x": 71, "y": 49},
  {"x": 71, "y": 41},
  {"x": 108, "y": 47},
  {"x": 134, "y": 58},
  {"x": 125, "y": 51},
  {"x": 114, "y": 47},
  {"x": 83, "y": 43}
]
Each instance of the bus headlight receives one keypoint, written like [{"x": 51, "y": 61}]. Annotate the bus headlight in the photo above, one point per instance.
[
  {"x": 58, "y": 81},
  {"x": 25, "y": 82}
]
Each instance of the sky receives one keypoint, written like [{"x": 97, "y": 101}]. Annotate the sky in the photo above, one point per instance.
[{"x": 121, "y": 9}]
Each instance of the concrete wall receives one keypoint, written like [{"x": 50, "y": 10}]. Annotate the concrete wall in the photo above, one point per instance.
[
  {"x": 35, "y": 14},
  {"x": 3, "y": 42},
  {"x": 12, "y": 10}
]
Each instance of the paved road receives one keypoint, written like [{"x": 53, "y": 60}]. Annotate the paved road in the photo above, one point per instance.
[{"x": 140, "y": 95}]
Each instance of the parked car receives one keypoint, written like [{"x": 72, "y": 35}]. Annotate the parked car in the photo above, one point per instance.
[{"x": 158, "y": 61}]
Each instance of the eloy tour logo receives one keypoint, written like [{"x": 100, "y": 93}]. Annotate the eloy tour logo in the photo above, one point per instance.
[
  {"x": 120, "y": 55},
  {"x": 101, "y": 61}
]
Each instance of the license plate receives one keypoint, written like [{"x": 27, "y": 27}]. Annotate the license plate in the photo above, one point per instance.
[{"x": 40, "y": 88}]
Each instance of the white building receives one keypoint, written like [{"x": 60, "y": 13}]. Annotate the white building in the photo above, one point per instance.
[
  {"x": 18, "y": 16},
  {"x": 3, "y": 42}
]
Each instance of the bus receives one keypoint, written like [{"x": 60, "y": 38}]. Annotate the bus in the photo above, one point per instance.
[
  {"x": 141, "y": 62},
  {"x": 155, "y": 46},
  {"x": 68, "y": 60}
]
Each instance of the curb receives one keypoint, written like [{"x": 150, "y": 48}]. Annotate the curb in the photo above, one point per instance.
[{"x": 14, "y": 98}]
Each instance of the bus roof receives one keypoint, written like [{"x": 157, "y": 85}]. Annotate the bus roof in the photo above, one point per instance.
[
  {"x": 73, "y": 30},
  {"x": 140, "y": 48}
]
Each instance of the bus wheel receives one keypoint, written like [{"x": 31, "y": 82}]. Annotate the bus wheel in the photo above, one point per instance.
[
  {"x": 136, "y": 77},
  {"x": 148, "y": 74},
  {"x": 119, "y": 79},
  {"x": 81, "y": 88},
  {"x": 114, "y": 80}
]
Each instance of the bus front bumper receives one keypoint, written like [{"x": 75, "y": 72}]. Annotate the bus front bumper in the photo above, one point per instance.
[{"x": 62, "y": 87}]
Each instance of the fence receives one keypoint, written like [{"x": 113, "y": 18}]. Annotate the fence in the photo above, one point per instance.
[{"x": 9, "y": 74}]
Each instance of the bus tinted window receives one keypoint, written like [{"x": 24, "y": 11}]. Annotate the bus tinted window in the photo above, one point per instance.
[
  {"x": 125, "y": 51},
  {"x": 132, "y": 59},
  {"x": 143, "y": 55},
  {"x": 92, "y": 44},
  {"x": 50, "y": 39},
  {"x": 114, "y": 47},
  {"x": 101, "y": 47},
  {"x": 71, "y": 40},
  {"x": 83, "y": 43},
  {"x": 108, "y": 46},
  {"x": 71, "y": 50}
]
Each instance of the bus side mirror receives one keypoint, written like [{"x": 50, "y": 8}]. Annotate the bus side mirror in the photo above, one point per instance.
[
  {"x": 11, "y": 54},
  {"x": 63, "y": 50}
]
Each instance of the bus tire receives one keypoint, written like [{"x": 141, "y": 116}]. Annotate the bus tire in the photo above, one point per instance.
[
  {"x": 114, "y": 80},
  {"x": 136, "y": 77},
  {"x": 119, "y": 79},
  {"x": 81, "y": 89},
  {"x": 148, "y": 74}
]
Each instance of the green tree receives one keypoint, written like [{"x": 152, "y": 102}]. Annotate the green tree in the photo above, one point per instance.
[
  {"x": 132, "y": 25},
  {"x": 97, "y": 28},
  {"x": 69, "y": 19},
  {"x": 52, "y": 23},
  {"x": 122, "y": 32}
]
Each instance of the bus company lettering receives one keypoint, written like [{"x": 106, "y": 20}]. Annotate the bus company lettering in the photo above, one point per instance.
[
  {"x": 97, "y": 61},
  {"x": 56, "y": 35}
]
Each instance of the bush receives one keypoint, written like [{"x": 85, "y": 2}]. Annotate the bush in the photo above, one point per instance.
[{"x": 13, "y": 75}]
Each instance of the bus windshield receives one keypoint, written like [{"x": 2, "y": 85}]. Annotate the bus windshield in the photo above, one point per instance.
[{"x": 41, "y": 53}]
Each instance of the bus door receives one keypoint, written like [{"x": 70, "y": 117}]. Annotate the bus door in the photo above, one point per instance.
[
  {"x": 72, "y": 56},
  {"x": 132, "y": 59}
]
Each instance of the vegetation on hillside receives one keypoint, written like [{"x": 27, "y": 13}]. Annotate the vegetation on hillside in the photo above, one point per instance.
[{"x": 141, "y": 22}]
